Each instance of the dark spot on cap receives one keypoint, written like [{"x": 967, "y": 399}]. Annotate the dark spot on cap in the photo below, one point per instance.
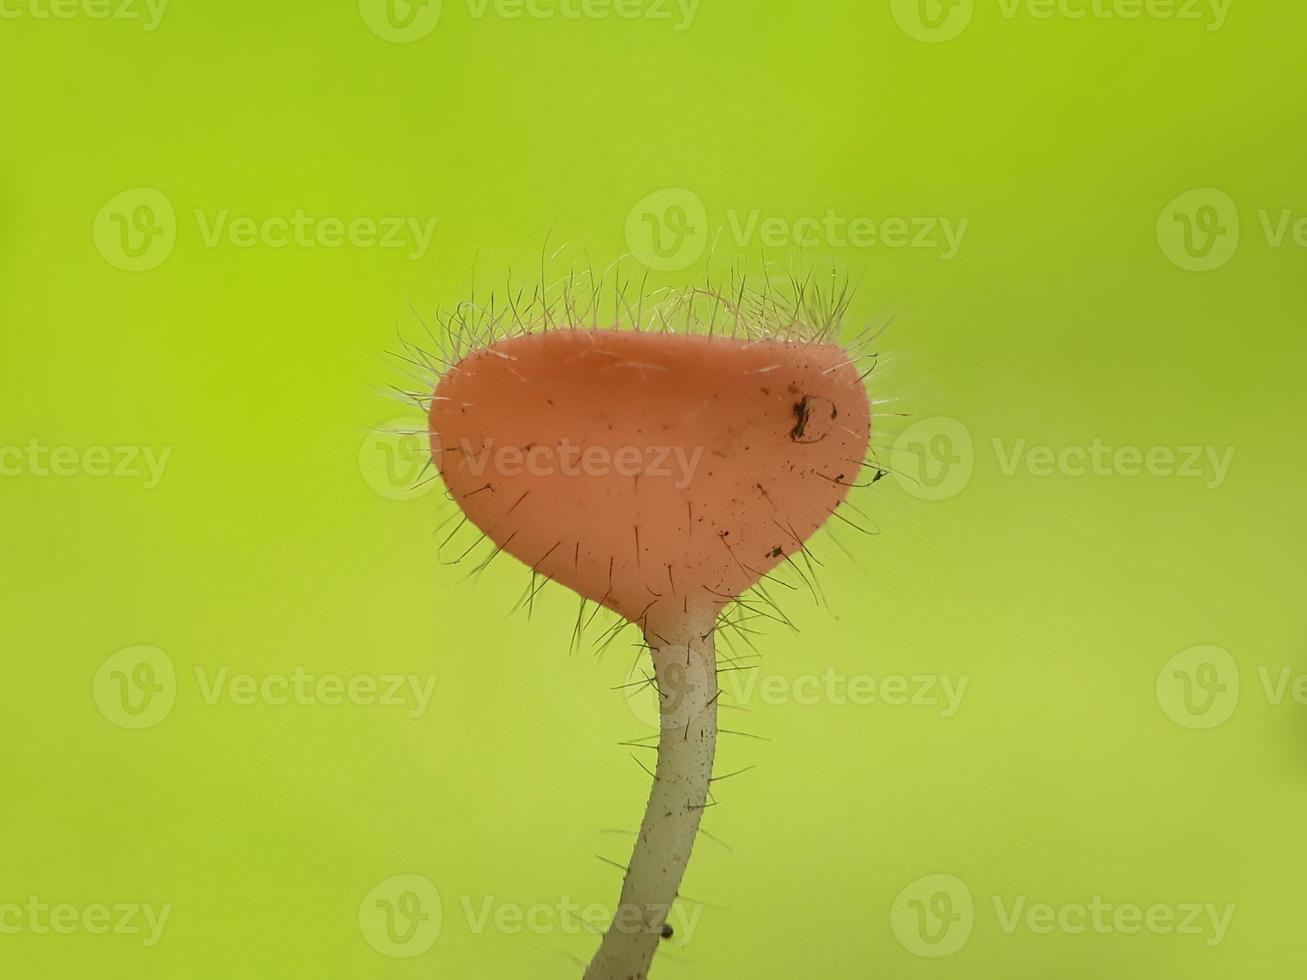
[{"x": 808, "y": 410}]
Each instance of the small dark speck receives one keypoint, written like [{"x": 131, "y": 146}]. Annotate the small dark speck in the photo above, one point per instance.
[
  {"x": 668, "y": 931},
  {"x": 777, "y": 552}
]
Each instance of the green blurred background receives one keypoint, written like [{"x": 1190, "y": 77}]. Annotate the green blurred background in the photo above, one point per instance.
[{"x": 1095, "y": 756}]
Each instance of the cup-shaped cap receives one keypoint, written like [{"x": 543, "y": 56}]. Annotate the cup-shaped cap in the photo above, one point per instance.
[{"x": 659, "y": 474}]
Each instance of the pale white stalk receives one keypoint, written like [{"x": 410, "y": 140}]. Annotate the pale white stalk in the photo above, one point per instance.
[{"x": 687, "y": 688}]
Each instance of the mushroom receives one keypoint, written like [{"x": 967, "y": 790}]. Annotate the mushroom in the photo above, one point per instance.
[{"x": 660, "y": 475}]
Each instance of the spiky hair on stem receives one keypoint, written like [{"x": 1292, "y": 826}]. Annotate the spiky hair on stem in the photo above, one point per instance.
[{"x": 809, "y": 308}]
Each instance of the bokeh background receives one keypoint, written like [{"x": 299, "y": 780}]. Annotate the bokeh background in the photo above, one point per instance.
[{"x": 1122, "y": 624}]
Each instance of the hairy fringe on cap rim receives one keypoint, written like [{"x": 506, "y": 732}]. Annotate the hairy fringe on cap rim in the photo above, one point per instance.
[{"x": 770, "y": 304}]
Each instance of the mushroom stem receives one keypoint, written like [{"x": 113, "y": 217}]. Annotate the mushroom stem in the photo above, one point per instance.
[{"x": 687, "y": 689}]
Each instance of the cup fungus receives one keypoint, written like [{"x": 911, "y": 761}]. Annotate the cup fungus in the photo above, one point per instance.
[{"x": 661, "y": 475}]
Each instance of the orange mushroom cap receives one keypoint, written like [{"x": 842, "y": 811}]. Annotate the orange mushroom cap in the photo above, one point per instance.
[{"x": 658, "y": 474}]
